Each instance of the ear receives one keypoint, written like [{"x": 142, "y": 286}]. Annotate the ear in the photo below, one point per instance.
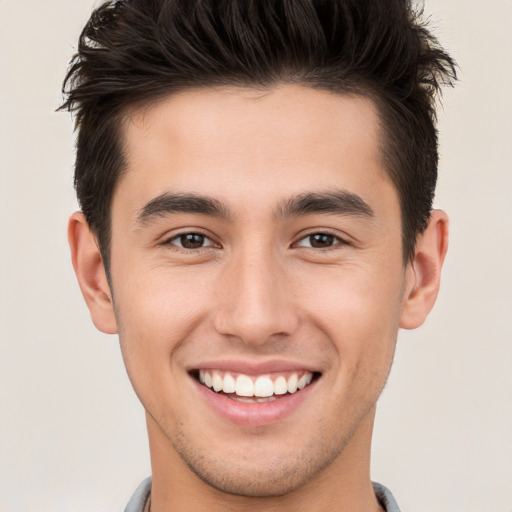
[
  {"x": 423, "y": 273},
  {"x": 90, "y": 272}
]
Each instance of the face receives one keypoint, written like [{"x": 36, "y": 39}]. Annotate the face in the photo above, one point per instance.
[{"x": 256, "y": 250}]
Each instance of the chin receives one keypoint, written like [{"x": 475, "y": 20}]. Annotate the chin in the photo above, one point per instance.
[
  {"x": 265, "y": 483},
  {"x": 262, "y": 475}
]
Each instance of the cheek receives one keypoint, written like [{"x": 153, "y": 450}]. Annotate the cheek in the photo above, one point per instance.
[
  {"x": 155, "y": 314},
  {"x": 152, "y": 320},
  {"x": 160, "y": 304},
  {"x": 358, "y": 309}
]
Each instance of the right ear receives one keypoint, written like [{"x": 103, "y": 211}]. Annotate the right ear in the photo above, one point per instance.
[{"x": 91, "y": 275}]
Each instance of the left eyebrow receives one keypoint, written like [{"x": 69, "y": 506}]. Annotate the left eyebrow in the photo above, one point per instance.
[
  {"x": 339, "y": 202},
  {"x": 169, "y": 203}
]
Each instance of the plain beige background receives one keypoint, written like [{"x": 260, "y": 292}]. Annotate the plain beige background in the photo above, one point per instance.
[{"x": 72, "y": 433}]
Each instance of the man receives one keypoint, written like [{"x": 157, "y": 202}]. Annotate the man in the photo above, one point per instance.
[{"x": 256, "y": 182}]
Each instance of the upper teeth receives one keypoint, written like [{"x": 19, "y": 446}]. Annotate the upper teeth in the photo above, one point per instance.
[{"x": 262, "y": 386}]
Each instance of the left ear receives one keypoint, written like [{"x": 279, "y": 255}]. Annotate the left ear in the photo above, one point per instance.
[{"x": 423, "y": 273}]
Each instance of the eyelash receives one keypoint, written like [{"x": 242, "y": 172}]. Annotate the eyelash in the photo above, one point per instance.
[
  {"x": 181, "y": 236},
  {"x": 333, "y": 239},
  {"x": 336, "y": 241}
]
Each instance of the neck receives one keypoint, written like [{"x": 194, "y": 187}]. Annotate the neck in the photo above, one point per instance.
[{"x": 344, "y": 485}]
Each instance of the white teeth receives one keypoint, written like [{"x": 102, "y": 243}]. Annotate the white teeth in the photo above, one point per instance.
[
  {"x": 292, "y": 383},
  {"x": 252, "y": 400},
  {"x": 244, "y": 400},
  {"x": 265, "y": 400},
  {"x": 302, "y": 382},
  {"x": 263, "y": 387},
  {"x": 229, "y": 384},
  {"x": 244, "y": 386},
  {"x": 217, "y": 381},
  {"x": 280, "y": 386}
]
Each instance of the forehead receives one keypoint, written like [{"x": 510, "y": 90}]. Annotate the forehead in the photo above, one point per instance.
[{"x": 251, "y": 145}]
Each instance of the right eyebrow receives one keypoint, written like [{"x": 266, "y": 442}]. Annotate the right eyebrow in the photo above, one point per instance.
[
  {"x": 168, "y": 203},
  {"x": 334, "y": 202}
]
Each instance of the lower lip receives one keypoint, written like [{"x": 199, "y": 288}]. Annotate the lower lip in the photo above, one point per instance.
[{"x": 257, "y": 414}]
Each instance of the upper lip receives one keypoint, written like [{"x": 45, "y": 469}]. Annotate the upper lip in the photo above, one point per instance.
[{"x": 254, "y": 367}]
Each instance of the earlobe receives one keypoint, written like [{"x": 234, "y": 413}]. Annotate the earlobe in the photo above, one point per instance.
[
  {"x": 90, "y": 272},
  {"x": 423, "y": 274}
]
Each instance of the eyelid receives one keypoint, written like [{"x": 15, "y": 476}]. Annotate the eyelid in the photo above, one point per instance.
[
  {"x": 339, "y": 240},
  {"x": 168, "y": 239}
]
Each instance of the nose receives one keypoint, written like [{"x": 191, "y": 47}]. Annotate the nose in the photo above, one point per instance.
[{"x": 255, "y": 302}]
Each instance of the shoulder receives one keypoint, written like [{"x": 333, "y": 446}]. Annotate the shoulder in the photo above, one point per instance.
[
  {"x": 385, "y": 497},
  {"x": 138, "y": 501}
]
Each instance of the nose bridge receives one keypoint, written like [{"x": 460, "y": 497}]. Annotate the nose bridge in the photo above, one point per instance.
[{"x": 255, "y": 303}]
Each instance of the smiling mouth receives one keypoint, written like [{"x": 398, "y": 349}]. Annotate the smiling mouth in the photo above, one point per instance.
[{"x": 255, "y": 389}]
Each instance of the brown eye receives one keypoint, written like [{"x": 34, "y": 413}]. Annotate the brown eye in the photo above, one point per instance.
[
  {"x": 320, "y": 241},
  {"x": 191, "y": 241}
]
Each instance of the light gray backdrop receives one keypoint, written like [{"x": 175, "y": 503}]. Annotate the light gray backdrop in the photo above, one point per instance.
[{"x": 72, "y": 434}]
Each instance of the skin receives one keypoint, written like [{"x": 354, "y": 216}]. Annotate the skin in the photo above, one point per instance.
[{"x": 258, "y": 290}]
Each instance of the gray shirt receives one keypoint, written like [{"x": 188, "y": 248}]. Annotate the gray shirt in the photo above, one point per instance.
[{"x": 141, "y": 496}]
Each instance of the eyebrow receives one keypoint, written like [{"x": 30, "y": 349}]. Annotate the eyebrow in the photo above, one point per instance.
[
  {"x": 339, "y": 202},
  {"x": 168, "y": 203}
]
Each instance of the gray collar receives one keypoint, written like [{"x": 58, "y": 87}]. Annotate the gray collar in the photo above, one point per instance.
[{"x": 141, "y": 495}]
